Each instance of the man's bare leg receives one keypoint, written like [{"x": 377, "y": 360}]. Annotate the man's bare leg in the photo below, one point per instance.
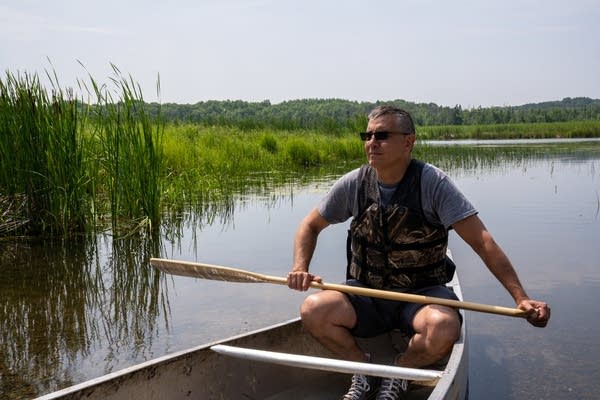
[
  {"x": 437, "y": 328},
  {"x": 329, "y": 316}
]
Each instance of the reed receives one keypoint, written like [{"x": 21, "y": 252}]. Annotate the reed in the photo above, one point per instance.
[
  {"x": 130, "y": 161},
  {"x": 42, "y": 150},
  {"x": 65, "y": 165}
]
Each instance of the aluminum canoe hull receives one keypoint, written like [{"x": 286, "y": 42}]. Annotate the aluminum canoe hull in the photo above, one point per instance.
[{"x": 200, "y": 373}]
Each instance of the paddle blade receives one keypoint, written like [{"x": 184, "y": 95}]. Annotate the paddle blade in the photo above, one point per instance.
[{"x": 205, "y": 271}]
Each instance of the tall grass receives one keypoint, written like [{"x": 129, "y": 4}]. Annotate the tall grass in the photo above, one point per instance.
[
  {"x": 64, "y": 166},
  {"x": 130, "y": 142},
  {"x": 42, "y": 166}
]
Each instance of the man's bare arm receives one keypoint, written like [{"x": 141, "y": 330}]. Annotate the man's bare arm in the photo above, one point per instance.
[
  {"x": 473, "y": 231},
  {"x": 305, "y": 243}
]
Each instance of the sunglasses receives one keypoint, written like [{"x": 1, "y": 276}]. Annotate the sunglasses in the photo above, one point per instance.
[{"x": 381, "y": 135}]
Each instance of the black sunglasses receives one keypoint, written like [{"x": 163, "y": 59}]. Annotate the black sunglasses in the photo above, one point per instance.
[{"x": 381, "y": 135}]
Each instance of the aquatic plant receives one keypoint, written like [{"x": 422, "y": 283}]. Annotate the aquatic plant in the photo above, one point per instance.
[
  {"x": 42, "y": 156},
  {"x": 130, "y": 142}
]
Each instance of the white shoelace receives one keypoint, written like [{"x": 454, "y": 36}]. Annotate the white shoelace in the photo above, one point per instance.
[
  {"x": 390, "y": 389},
  {"x": 359, "y": 386}
]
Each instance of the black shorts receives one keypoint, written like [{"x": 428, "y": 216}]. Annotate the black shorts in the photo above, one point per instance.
[{"x": 375, "y": 316}]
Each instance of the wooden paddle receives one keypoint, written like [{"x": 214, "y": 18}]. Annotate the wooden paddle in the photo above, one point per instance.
[{"x": 216, "y": 272}]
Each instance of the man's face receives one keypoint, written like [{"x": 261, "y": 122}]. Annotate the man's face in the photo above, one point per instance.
[{"x": 390, "y": 152}]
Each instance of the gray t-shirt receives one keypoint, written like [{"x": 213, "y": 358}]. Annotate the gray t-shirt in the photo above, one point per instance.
[{"x": 443, "y": 203}]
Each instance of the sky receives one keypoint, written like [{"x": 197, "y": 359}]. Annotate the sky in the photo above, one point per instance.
[{"x": 469, "y": 53}]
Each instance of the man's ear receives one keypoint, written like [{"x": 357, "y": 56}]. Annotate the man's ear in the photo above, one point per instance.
[{"x": 410, "y": 141}]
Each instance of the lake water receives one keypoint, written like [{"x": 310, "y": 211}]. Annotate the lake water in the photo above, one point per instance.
[{"x": 70, "y": 312}]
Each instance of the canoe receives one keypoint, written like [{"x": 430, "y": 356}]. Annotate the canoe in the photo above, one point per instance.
[{"x": 277, "y": 362}]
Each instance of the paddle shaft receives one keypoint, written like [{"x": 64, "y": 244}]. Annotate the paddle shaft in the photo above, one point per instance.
[
  {"x": 408, "y": 297},
  {"x": 216, "y": 272}
]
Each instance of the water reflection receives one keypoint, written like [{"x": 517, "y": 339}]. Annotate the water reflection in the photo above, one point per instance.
[
  {"x": 59, "y": 300},
  {"x": 131, "y": 297},
  {"x": 43, "y": 309}
]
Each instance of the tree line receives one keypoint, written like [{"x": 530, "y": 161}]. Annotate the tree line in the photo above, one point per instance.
[{"x": 335, "y": 115}]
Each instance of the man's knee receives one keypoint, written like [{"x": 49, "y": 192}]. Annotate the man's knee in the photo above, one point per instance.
[
  {"x": 326, "y": 308},
  {"x": 441, "y": 325},
  {"x": 311, "y": 309}
]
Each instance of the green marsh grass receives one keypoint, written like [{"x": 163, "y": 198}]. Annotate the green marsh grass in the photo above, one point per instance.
[
  {"x": 571, "y": 129},
  {"x": 42, "y": 156},
  {"x": 130, "y": 144},
  {"x": 65, "y": 166},
  {"x": 212, "y": 163}
]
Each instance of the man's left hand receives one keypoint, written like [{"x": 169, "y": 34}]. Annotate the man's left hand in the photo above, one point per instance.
[{"x": 538, "y": 312}]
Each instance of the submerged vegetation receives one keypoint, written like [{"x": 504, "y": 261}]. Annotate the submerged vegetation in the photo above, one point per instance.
[{"x": 67, "y": 166}]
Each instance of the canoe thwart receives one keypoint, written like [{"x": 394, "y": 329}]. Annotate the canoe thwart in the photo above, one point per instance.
[{"x": 329, "y": 364}]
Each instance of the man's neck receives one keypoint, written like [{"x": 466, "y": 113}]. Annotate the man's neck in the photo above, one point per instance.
[{"x": 394, "y": 174}]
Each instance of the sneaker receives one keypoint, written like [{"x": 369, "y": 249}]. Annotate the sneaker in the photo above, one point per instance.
[
  {"x": 362, "y": 388},
  {"x": 393, "y": 389}
]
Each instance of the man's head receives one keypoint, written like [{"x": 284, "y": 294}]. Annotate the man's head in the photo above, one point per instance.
[
  {"x": 389, "y": 141},
  {"x": 404, "y": 122}
]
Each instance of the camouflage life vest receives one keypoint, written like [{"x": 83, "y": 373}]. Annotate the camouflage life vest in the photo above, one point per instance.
[{"x": 394, "y": 246}]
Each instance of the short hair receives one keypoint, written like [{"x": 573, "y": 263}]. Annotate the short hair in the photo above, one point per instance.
[{"x": 405, "y": 122}]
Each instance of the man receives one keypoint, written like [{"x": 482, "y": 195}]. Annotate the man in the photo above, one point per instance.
[{"x": 402, "y": 210}]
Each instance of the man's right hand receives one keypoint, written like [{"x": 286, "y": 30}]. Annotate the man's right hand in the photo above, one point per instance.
[{"x": 300, "y": 280}]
